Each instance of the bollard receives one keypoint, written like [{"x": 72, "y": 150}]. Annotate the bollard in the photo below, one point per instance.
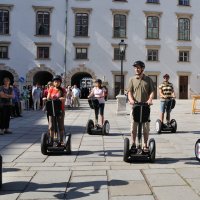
[{"x": 0, "y": 171}]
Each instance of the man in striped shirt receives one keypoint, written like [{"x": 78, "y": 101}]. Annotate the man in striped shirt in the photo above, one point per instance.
[{"x": 166, "y": 90}]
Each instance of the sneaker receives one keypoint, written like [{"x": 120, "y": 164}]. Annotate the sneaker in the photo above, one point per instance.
[
  {"x": 1, "y": 132},
  {"x": 7, "y": 132}
]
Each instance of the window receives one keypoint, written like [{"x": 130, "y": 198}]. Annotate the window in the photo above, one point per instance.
[
  {"x": 43, "y": 50},
  {"x": 183, "y": 29},
  {"x": 152, "y": 27},
  {"x": 4, "y": 21},
  {"x": 184, "y": 56},
  {"x": 81, "y": 53},
  {"x": 117, "y": 55},
  {"x": 152, "y": 55},
  {"x": 3, "y": 52},
  {"x": 152, "y": 1},
  {"x": 119, "y": 26},
  {"x": 81, "y": 28},
  {"x": 184, "y": 2},
  {"x": 43, "y": 23}
]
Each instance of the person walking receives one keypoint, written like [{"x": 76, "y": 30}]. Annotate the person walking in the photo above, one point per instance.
[
  {"x": 16, "y": 101},
  {"x": 6, "y": 95},
  {"x": 140, "y": 89}
]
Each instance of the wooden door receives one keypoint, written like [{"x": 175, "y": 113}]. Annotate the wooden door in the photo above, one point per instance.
[
  {"x": 183, "y": 87},
  {"x": 154, "y": 79}
]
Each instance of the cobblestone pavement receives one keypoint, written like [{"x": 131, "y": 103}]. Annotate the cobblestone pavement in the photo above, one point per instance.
[{"x": 95, "y": 169}]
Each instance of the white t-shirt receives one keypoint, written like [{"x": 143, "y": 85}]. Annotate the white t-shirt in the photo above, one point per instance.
[{"x": 98, "y": 94}]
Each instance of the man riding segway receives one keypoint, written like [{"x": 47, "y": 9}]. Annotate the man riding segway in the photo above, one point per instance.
[
  {"x": 140, "y": 95},
  {"x": 167, "y": 103}
]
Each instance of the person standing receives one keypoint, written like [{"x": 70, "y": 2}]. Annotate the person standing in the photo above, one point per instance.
[
  {"x": 166, "y": 90},
  {"x": 36, "y": 95},
  {"x": 6, "y": 95},
  {"x": 16, "y": 101},
  {"x": 75, "y": 96},
  {"x": 140, "y": 89}
]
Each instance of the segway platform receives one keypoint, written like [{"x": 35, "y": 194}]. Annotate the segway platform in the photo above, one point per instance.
[
  {"x": 92, "y": 128},
  {"x": 172, "y": 125},
  {"x": 54, "y": 109},
  {"x": 197, "y": 150},
  {"x": 141, "y": 112}
]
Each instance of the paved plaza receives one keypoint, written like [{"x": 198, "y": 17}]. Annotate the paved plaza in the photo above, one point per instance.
[{"x": 95, "y": 170}]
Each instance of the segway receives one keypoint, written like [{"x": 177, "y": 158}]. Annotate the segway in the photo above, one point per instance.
[
  {"x": 53, "y": 108},
  {"x": 141, "y": 112},
  {"x": 197, "y": 150},
  {"x": 1, "y": 171},
  {"x": 91, "y": 127},
  {"x": 171, "y": 125}
]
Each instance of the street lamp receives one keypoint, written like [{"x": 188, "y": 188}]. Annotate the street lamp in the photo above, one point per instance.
[{"x": 122, "y": 50}]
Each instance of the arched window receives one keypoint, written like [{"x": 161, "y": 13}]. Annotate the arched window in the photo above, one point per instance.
[
  {"x": 81, "y": 26},
  {"x": 153, "y": 27},
  {"x": 4, "y": 21},
  {"x": 43, "y": 23},
  {"x": 183, "y": 29},
  {"x": 119, "y": 26}
]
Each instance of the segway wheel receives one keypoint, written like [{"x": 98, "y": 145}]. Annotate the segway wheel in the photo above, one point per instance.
[
  {"x": 89, "y": 126},
  {"x": 106, "y": 128},
  {"x": 68, "y": 143},
  {"x": 126, "y": 150},
  {"x": 158, "y": 126},
  {"x": 174, "y": 125},
  {"x": 152, "y": 150},
  {"x": 197, "y": 150},
  {"x": 44, "y": 142}
]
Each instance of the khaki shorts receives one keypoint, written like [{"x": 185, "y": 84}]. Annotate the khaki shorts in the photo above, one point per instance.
[
  {"x": 134, "y": 125},
  {"x": 60, "y": 122}
]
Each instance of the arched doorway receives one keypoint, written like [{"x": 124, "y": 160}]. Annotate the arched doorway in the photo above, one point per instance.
[
  {"x": 5, "y": 73},
  {"x": 42, "y": 77},
  {"x": 84, "y": 81}
]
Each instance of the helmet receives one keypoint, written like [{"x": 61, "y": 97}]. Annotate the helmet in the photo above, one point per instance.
[
  {"x": 57, "y": 77},
  {"x": 98, "y": 81},
  {"x": 139, "y": 63}
]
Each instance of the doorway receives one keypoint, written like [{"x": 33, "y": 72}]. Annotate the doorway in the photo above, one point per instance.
[
  {"x": 42, "y": 78},
  {"x": 3, "y": 74},
  {"x": 183, "y": 87},
  {"x": 154, "y": 79},
  {"x": 83, "y": 81}
]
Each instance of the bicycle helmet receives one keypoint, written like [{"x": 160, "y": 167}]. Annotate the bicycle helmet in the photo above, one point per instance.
[
  {"x": 98, "y": 81},
  {"x": 57, "y": 77},
  {"x": 139, "y": 63},
  {"x": 166, "y": 75}
]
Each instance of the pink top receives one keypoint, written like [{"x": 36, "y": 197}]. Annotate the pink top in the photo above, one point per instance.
[{"x": 99, "y": 94}]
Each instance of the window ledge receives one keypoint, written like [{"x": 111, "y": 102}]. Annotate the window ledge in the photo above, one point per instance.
[
  {"x": 183, "y": 5},
  {"x": 75, "y": 59},
  {"x": 4, "y": 58},
  {"x": 47, "y": 59},
  {"x": 152, "y": 38},
  {"x": 184, "y": 40},
  {"x": 126, "y": 1},
  {"x": 155, "y": 61},
  {"x": 183, "y": 61},
  {"x": 119, "y": 60},
  {"x": 153, "y": 3},
  {"x": 42, "y": 35},
  {"x": 81, "y": 36},
  {"x": 120, "y": 37},
  {"x": 1, "y": 34}
]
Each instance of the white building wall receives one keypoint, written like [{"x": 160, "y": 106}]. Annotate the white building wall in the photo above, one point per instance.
[
  {"x": 22, "y": 50},
  {"x": 101, "y": 37}
]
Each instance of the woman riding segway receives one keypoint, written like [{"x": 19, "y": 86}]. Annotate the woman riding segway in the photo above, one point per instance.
[{"x": 57, "y": 92}]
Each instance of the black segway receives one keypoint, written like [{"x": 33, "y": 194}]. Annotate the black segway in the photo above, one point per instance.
[
  {"x": 91, "y": 127},
  {"x": 141, "y": 112},
  {"x": 53, "y": 108},
  {"x": 197, "y": 150},
  {"x": 171, "y": 125}
]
